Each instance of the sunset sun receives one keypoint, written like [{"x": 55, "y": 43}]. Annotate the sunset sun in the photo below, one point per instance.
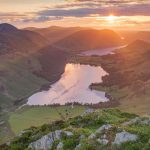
[{"x": 111, "y": 18}]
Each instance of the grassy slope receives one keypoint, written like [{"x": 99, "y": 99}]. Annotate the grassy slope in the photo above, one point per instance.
[
  {"x": 18, "y": 72},
  {"x": 21, "y": 75},
  {"x": 18, "y": 82},
  {"x": 37, "y": 116},
  {"x": 85, "y": 125}
]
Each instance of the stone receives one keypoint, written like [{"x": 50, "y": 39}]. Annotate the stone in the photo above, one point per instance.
[
  {"x": 124, "y": 137},
  {"x": 68, "y": 133},
  {"x": 103, "y": 141},
  {"x": 22, "y": 132},
  {"x": 103, "y": 128},
  {"x": 78, "y": 147},
  {"x": 92, "y": 136},
  {"x": 136, "y": 120},
  {"x": 145, "y": 122},
  {"x": 132, "y": 121},
  {"x": 82, "y": 137},
  {"x": 88, "y": 111},
  {"x": 2, "y": 123},
  {"x": 46, "y": 142},
  {"x": 60, "y": 146}
]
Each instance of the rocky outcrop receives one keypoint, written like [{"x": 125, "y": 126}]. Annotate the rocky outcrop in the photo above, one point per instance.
[
  {"x": 137, "y": 120},
  {"x": 124, "y": 137},
  {"x": 46, "y": 142}
]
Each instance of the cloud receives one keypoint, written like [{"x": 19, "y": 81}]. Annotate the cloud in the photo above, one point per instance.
[
  {"x": 127, "y": 10},
  {"x": 11, "y": 14},
  {"x": 41, "y": 19}
]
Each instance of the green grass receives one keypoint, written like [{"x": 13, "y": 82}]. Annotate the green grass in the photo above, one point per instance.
[
  {"x": 85, "y": 125},
  {"x": 18, "y": 73},
  {"x": 36, "y": 116}
]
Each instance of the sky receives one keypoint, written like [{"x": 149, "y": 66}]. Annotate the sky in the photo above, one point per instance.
[{"x": 112, "y": 14}]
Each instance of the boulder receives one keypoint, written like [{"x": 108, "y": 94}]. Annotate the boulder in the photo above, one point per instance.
[
  {"x": 103, "y": 128},
  {"x": 46, "y": 142},
  {"x": 124, "y": 137}
]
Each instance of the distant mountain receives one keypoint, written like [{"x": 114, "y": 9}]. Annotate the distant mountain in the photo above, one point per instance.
[
  {"x": 13, "y": 39},
  {"x": 139, "y": 46},
  {"x": 55, "y": 33},
  {"x": 144, "y": 35},
  {"x": 90, "y": 39},
  {"x": 131, "y": 36},
  {"x": 5, "y": 27}
]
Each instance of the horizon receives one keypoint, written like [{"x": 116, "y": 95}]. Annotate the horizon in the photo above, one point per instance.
[
  {"x": 115, "y": 15},
  {"x": 43, "y": 27}
]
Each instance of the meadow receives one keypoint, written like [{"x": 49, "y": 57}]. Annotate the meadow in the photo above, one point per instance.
[{"x": 39, "y": 115}]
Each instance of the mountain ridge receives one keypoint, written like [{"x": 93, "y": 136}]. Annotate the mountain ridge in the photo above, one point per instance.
[{"x": 90, "y": 39}]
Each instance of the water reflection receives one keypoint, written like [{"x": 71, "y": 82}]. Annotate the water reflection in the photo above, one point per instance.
[
  {"x": 73, "y": 87},
  {"x": 101, "y": 52}
]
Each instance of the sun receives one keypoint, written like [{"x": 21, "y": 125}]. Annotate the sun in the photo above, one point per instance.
[{"x": 111, "y": 18}]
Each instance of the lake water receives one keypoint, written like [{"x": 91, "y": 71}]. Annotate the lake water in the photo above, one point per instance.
[
  {"x": 73, "y": 86},
  {"x": 101, "y": 52}
]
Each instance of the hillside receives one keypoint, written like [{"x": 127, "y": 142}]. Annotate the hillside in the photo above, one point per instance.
[
  {"x": 27, "y": 65},
  {"x": 56, "y": 33},
  {"x": 128, "y": 81},
  {"x": 13, "y": 39},
  {"x": 131, "y": 36},
  {"x": 89, "y": 39},
  {"x": 102, "y": 129}
]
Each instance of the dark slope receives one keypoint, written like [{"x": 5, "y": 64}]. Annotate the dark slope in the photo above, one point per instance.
[
  {"x": 55, "y": 33},
  {"x": 13, "y": 39},
  {"x": 53, "y": 61}
]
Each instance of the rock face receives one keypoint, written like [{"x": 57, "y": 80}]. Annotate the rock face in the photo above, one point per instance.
[
  {"x": 46, "y": 142},
  {"x": 124, "y": 137}
]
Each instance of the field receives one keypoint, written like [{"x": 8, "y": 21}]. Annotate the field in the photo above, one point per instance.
[{"x": 37, "y": 116}]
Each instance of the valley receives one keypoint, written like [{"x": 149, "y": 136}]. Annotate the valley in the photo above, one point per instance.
[{"x": 59, "y": 67}]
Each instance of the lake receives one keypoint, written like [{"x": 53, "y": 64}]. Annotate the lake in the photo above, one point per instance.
[
  {"x": 101, "y": 52},
  {"x": 73, "y": 86}
]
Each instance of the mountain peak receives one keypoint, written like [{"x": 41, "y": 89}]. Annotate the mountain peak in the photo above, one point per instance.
[{"x": 5, "y": 27}]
